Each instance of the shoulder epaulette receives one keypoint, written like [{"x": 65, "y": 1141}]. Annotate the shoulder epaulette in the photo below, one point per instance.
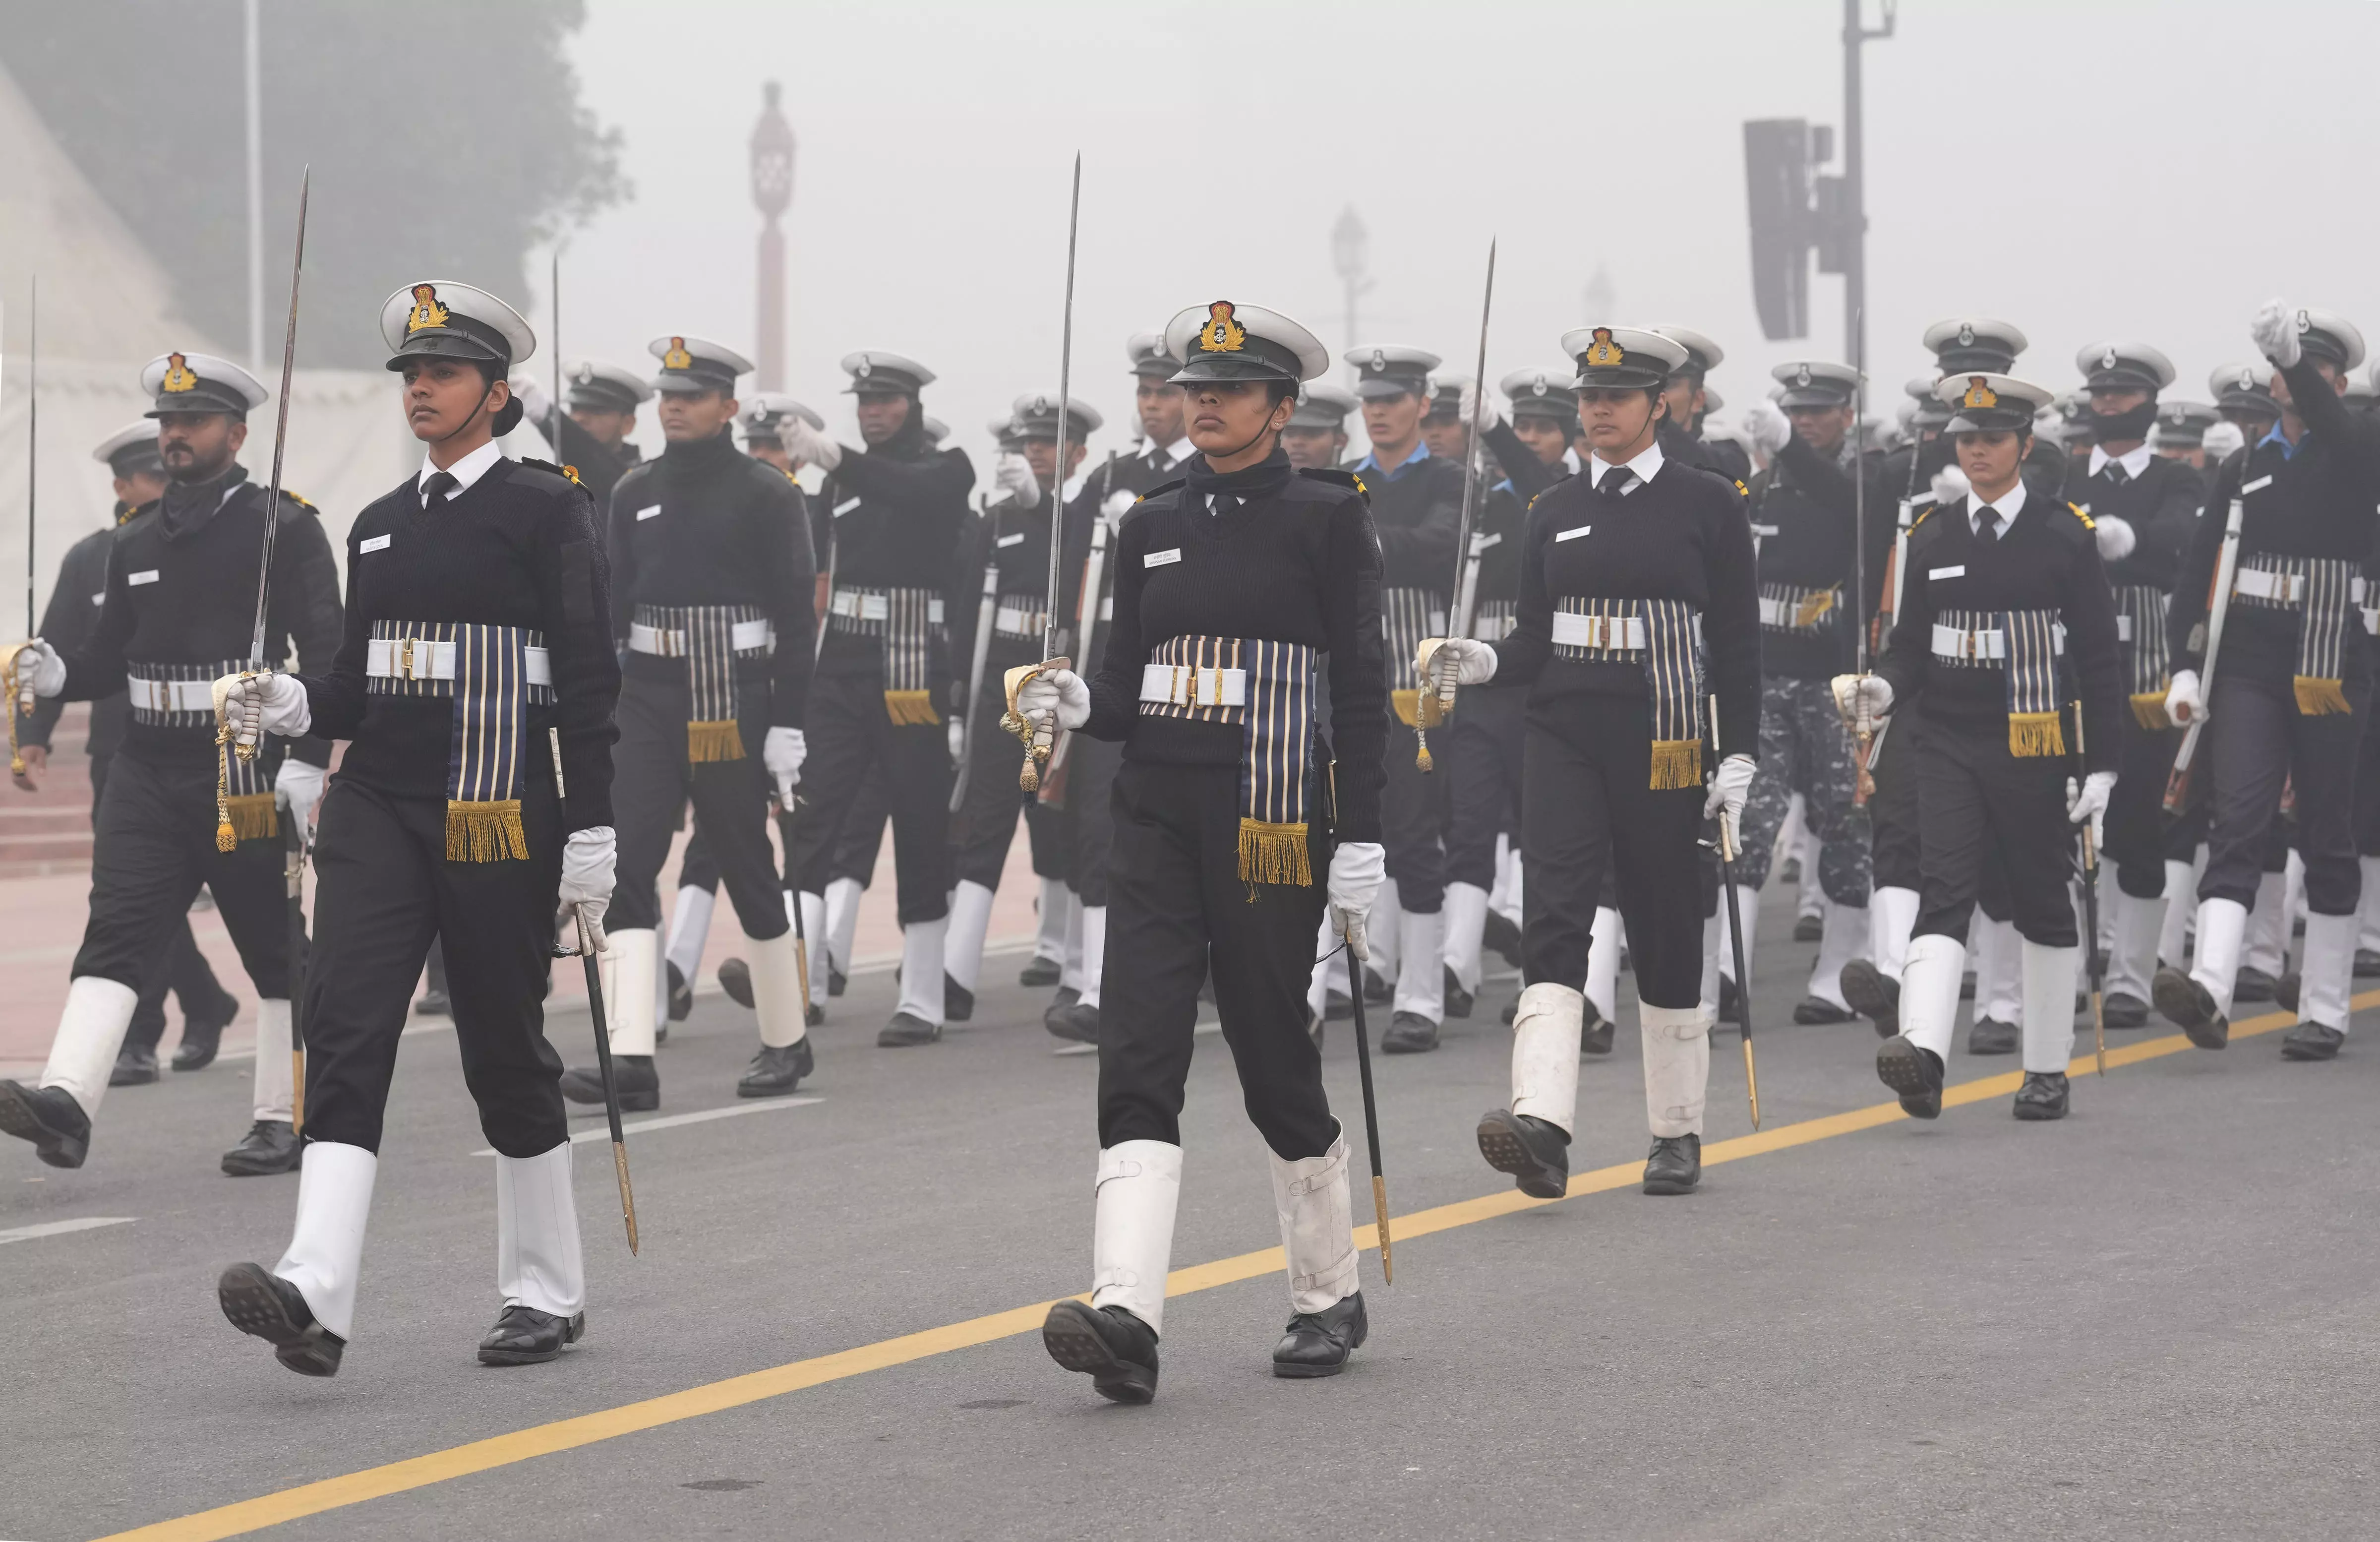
[
  {"x": 1742, "y": 490},
  {"x": 569, "y": 473},
  {"x": 1337, "y": 478},
  {"x": 299, "y": 501},
  {"x": 1162, "y": 488},
  {"x": 2083, "y": 514}
]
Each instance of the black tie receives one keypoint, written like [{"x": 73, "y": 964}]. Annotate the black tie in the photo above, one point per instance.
[
  {"x": 1616, "y": 482},
  {"x": 2116, "y": 475},
  {"x": 1988, "y": 523},
  {"x": 438, "y": 487}
]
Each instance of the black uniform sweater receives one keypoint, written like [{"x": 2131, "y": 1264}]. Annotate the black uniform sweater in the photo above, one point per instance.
[
  {"x": 1805, "y": 512},
  {"x": 1417, "y": 509},
  {"x": 2161, "y": 504},
  {"x": 897, "y": 519},
  {"x": 66, "y": 624}
]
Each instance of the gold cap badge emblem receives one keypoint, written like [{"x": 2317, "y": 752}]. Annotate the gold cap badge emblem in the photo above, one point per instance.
[
  {"x": 677, "y": 357},
  {"x": 427, "y": 312},
  {"x": 1221, "y": 333},
  {"x": 1603, "y": 353},
  {"x": 179, "y": 375},
  {"x": 1978, "y": 394}
]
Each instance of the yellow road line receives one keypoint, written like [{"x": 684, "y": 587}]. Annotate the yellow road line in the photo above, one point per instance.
[{"x": 479, "y": 1456}]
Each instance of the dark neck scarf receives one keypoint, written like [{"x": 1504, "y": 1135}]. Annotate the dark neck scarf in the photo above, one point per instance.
[
  {"x": 702, "y": 458},
  {"x": 187, "y": 505},
  {"x": 1260, "y": 481}
]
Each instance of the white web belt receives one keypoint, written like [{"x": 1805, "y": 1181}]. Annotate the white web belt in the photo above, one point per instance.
[
  {"x": 670, "y": 641},
  {"x": 170, "y": 695},
  {"x": 1180, "y": 685},
  {"x": 1962, "y": 646},
  {"x": 420, "y": 658},
  {"x": 1609, "y": 634}
]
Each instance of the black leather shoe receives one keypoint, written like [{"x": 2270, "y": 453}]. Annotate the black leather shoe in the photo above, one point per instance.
[
  {"x": 1501, "y": 935},
  {"x": 1313, "y": 1029},
  {"x": 2042, "y": 1097},
  {"x": 1116, "y": 1349},
  {"x": 1727, "y": 996},
  {"x": 835, "y": 981},
  {"x": 1337, "y": 1007},
  {"x": 1967, "y": 986},
  {"x": 136, "y": 1065},
  {"x": 2312, "y": 1041},
  {"x": 1075, "y": 1022},
  {"x": 1318, "y": 1343},
  {"x": 1674, "y": 1166},
  {"x": 681, "y": 993},
  {"x": 2367, "y": 963},
  {"x": 1990, "y": 1036},
  {"x": 1376, "y": 990},
  {"x": 1067, "y": 996},
  {"x": 2123, "y": 1010},
  {"x": 735, "y": 979},
  {"x": 525, "y": 1336},
  {"x": 1511, "y": 1011},
  {"x": 904, "y": 1030},
  {"x": 1536, "y": 1154},
  {"x": 1790, "y": 873},
  {"x": 1595, "y": 1032},
  {"x": 50, "y": 1118},
  {"x": 1809, "y": 928},
  {"x": 1914, "y": 1072},
  {"x": 433, "y": 1003},
  {"x": 2252, "y": 984},
  {"x": 1458, "y": 1000},
  {"x": 774, "y": 1073},
  {"x": 2285, "y": 992},
  {"x": 2189, "y": 1007},
  {"x": 1038, "y": 970},
  {"x": 958, "y": 1002},
  {"x": 1819, "y": 1009},
  {"x": 270, "y": 1146},
  {"x": 202, "y": 1034},
  {"x": 814, "y": 1015},
  {"x": 638, "y": 1083},
  {"x": 266, "y": 1307},
  {"x": 1409, "y": 1034}
]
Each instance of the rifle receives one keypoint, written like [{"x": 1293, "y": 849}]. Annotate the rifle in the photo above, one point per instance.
[
  {"x": 1437, "y": 701},
  {"x": 1896, "y": 568},
  {"x": 986, "y": 610},
  {"x": 294, "y": 847},
  {"x": 1862, "y": 784},
  {"x": 2219, "y": 606},
  {"x": 1087, "y": 623},
  {"x": 16, "y": 681}
]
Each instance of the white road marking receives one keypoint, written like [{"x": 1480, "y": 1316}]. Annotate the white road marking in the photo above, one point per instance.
[
  {"x": 670, "y": 1122},
  {"x": 59, "y": 1229}
]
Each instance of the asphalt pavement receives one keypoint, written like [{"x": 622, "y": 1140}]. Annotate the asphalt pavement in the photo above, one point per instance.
[{"x": 2158, "y": 1318}]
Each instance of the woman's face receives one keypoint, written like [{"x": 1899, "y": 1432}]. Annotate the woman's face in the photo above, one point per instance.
[
  {"x": 1544, "y": 435},
  {"x": 442, "y": 394},
  {"x": 1615, "y": 418},
  {"x": 1990, "y": 458},
  {"x": 1228, "y": 416}
]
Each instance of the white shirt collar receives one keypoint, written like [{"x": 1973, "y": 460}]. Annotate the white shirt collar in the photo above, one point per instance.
[
  {"x": 1569, "y": 460},
  {"x": 1073, "y": 487},
  {"x": 1646, "y": 465},
  {"x": 2010, "y": 504},
  {"x": 1177, "y": 452},
  {"x": 468, "y": 469},
  {"x": 2134, "y": 460}
]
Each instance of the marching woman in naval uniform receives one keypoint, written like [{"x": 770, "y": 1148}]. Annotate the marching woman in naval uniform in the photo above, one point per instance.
[
  {"x": 477, "y": 629},
  {"x": 1637, "y": 617},
  {"x": 1231, "y": 585}
]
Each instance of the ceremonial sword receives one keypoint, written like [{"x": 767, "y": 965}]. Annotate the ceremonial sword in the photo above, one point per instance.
[
  {"x": 1862, "y": 782},
  {"x": 1726, "y": 853},
  {"x": 1037, "y": 736},
  {"x": 585, "y": 952},
  {"x": 20, "y": 680},
  {"x": 1364, "y": 1072},
  {"x": 2091, "y": 906},
  {"x": 1432, "y": 705}
]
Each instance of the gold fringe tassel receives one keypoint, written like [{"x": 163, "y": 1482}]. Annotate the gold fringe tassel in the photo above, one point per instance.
[
  {"x": 1408, "y": 706},
  {"x": 249, "y": 817},
  {"x": 1807, "y": 614},
  {"x": 911, "y": 707},
  {"x": 2034, "y": 734},
  {"x": 1274, "y": 854},
  {"x": 485, "y": 832},
  {"x": 2148, "y": 711},
  {"x": 1677, "y": 763},
  {"x": 710, "y": 741},
  {"x": 2320, "y": 698}
]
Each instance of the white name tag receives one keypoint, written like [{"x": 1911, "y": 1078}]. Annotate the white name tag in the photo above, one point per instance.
[
  {"x": 136, "y": 579},
  {"x": 1764, "y": 531},
  {"x": 2257, "y": 486},
  {"x": 99, "y": 598},
  {"x": 1157, "y": 559},
  {"x": 1957, "y": 571},
  {"x": 1481, "y": 543},
  {"x": 648, "y": 511},
  {"x": 377, "y": 543},
  {"x": 846, "y": 507},
  {"x": 1575, "y": 534},
  {"x": 1015, "y": 540}
]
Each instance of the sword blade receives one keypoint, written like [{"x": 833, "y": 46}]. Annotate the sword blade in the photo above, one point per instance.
[
  {"x": 1065, "y": 417},
  {"x": 281, "y": 426}
]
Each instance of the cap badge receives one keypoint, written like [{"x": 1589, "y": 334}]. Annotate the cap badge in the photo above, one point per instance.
[
  {"x": 2108, "y": 359},
  {"x": 583, "y": 374},
  {"x": 1966, "y": 333},
  {"x": 677, "y": 357},
  {"x": 427, "y": 312},
  {"x": 1221, "y": 333},
  {"x": 179, "y": 377},
  {"x": 1041, "y": 405},
  {"x": 1603, "y": 353},
  {"x": 1537, "y": 384},
  {"x": 1802, "y": 376},
  {"x": 1978, "y": 394},
  {"x": 2305, "y": 320},
  {"x": 1380, "y": 359}
]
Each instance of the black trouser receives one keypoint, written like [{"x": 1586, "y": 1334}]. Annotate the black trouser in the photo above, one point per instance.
[
  {"x": 1894, "y": 850},
  {"x": 857, "y": 844},
  {"x": 2141, "y": 840},
  {"x": 985, "y": 822},
  {"x": 2367, "y": 789},
  {"x": 1587, "y": 806},
  {"x": 1413, "y": 818},
  {"x": 1479, "y": 755},
  {"x": 1090, "y": 815},
  {"x": 1978, "y": 805},
  {"x": 181, "y": 968},
  {"x": 651, "y": 784},
  {"x": 2258, "y": 740},
  {"x": 1176, "y": 900},
  {"x": 153, "y": 846},
  {"x": 383, "y": 888},
  {"x": 853, "y": 741}
]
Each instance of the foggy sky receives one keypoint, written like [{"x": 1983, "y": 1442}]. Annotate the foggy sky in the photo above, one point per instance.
[{"x": 2125, "y": 169}]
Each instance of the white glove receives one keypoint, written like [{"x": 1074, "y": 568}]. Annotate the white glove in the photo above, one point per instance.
[
  {"x": 2089, "y": 802},
  {"x": 48, "y": 671},
  {"x": 808, "y": 445},
  {"x": 1475, "y": 662},
  {"x": 536, "y": 405},
  {"x": 1468, "y": 397},
  {"x": 1059, "y": 691},
  {"x": 1765, "y": 425},
  {"x": 2116, "y": 538},
  {"x": 1012, "y": 474},
  {"x": 2183, "y": 703},
  {"x": 782, "y": 752},
  {"x": 957, "y": 737},
  {"x": 301, "y": 786},
  {"x": 1117, "y": 503},
  {"x": 278, "y": 701},
  {"x": 1950, "y": 485},
  {"x": 1862, "y": 698},
  {"x": 1730, "y": 786},
  {"x": 1357, "y": 868},
  {"x": 588, "y": 859},
  {"x": 2276, "y": 331},
  {"x": 2222, "y": 441}
]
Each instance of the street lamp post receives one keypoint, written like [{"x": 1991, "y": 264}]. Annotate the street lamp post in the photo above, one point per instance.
[
  {"x": 772, "y": 194},
  {"x": 1349, "y": 243}
]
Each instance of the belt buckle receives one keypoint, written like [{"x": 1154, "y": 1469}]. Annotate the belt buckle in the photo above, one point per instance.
[
  {"x": 405, "y": 659},
  {"x": 1969, "y": 645}
]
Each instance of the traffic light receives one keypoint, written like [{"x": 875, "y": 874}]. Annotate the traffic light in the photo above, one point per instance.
[{"x": 1794, "y": 212}]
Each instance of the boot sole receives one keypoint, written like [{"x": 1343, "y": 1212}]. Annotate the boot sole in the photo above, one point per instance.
[
  {"x": 251, "y": 1304},
  {"x": 1507, "y": 1153},
  {"x": 1673, "y": 1185},
  {"x": 748, "y": 1089},
  {"x": 1904, "y": 1072},
  {"x": 1864, "y": 988},
  {"x": 23, "y": 1120},
  {"x": 1596, "y": 1040},
  {"x": 571, "y": 1333},
  {"x": 2309, "y": 1052},
  {"x": 247, "y": 1168},
  {"x": 1077, "y": 1345},
  {"x": 2039, "y": 1113},
  {"x": 2176, "y": 997},
  {"x": 630, "y": 1103}
]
